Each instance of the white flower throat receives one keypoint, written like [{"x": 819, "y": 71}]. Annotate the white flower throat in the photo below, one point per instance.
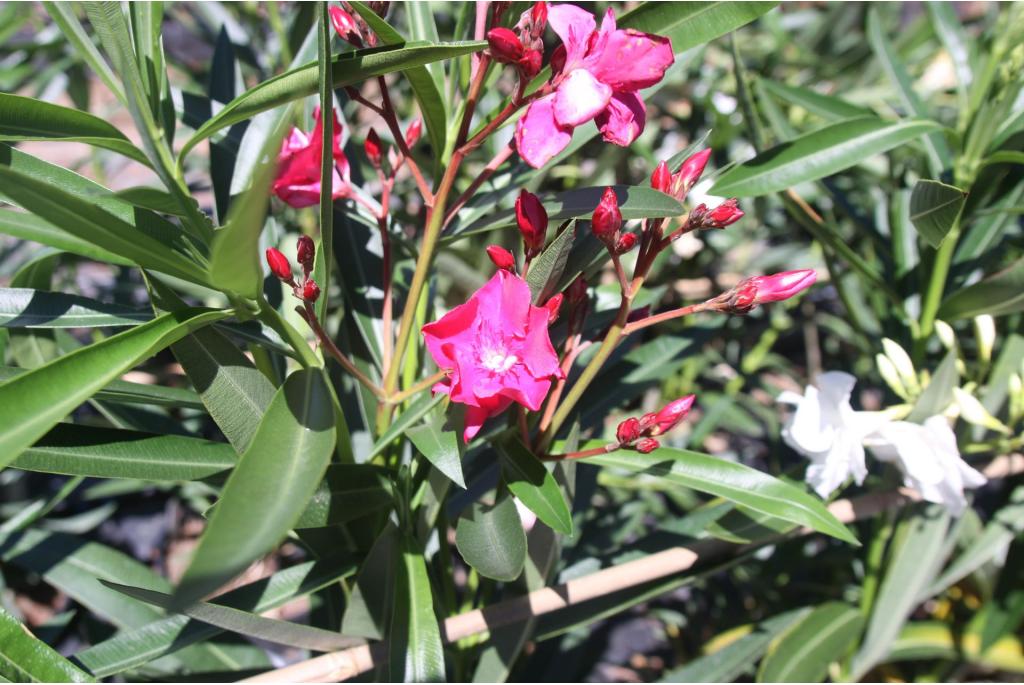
[{"x": 497, "y": 359}]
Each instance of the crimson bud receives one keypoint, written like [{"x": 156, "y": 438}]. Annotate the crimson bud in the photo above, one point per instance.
[
  {"x": 647, "y": 445},
  {"x": 558, "y": 60},
  {"x": 501, "y": 257},
  {"x": 661, "y": 179},
  {"x": 505, "y": 45},
  {"x": 530, "y": 63},
  {"x": 305, "y": 253},
  {"x": 671, "y": 414},
  {"x": 310, "y": 290},
  {"x": 413, "y": 133},
  {"x": 628, "y": 431},
  {"x": 689, "y": 172},
  {"x": 279, "y": 264},
  {"x": 626, "y": 242},
  {"x": 724, "y": 214},
  {"x": 345, "y": 25},
  {"x": 533, "y": 221},
  {"x": 373, "y": 148},
  {"x": 763, "y": 289},
  {"x": 539, "y": 17},
  {"x": 553, "y": 305},
  {"x": 607, "y": 219}
]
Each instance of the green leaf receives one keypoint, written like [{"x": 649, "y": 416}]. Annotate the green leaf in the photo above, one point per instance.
[
  {"x": 23, "y": 118},
  {"x": 915, "y": 556},
  {"x": 936, "y": 640},
  {"x": 324, "y": 260},
  {"x": 109, "y": 453},
  {"x": 804, "y": 652},
  {"x": 427, "y": 82},
  {"x": 635, "y": 202},
  {"x": 233, "y": 390},
  {"x": 935, "y": 209},
  {"x": 817, "y": 154},
  {"x": 491, "y": 539},
  {"x": 63, "y": 14},
  {"x": 348, "y": 492},
  {"x": 29, "y": 308},
  {"x": 534, "y": 486},
  {"x": 348, "y": 68},
  {"x": 735, "y": 482},
  {"x": 939, "y": 393},
  {"x": 25, "y": 659},
  {"x": 165, "y": 252},
  {"x": 153, "y": 199},
  {"x": 269, "y": 488},
  {"x": 415, "y": 653},
  {"x": 132, "y": 648},
  {"x": 547, "y": 269},
  {"x": 689, "y": 24},
  {"x": 416, "y": 411},
  {"x": 728, "y": 663},
  {"x": 1000, "y": 294},
  {"x": 125, "y": 392},
  {"x": 33, "y": 402},
  {"x": 246, "y": 623},
  {"x": 441, "y": 448},
  {"x": 28, "y": 227},
  {"x": 829, "y": 107}
]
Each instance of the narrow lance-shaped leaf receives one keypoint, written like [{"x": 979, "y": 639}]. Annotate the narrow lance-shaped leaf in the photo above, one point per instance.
[
  {"x": 26, "y": 659},
  {"x": 32, "y": 403},
  {"x": 269, "y": 488},
  {"x": 441, "y": 448},
  {"x": 415, "y": 654},
  {"x": 1000, "y": 294},
  {"x": 689, "y": 24},
  {"x": 29, "y": 308},
  {"x": 804, "y": 652},
  {"x": 534, "y": 486}
]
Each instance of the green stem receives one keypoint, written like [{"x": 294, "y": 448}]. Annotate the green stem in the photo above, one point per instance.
[
  {"x": 273, "y": 318},
  {"x": 937, "y": 282}
]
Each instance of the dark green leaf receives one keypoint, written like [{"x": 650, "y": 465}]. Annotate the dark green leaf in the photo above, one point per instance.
[
  {"x": 534, "y": 486},
  {"x": 109, "y": 453},
  {"x": 441, "y": 448},
  {"x": 547, "y": 269},
  {"x": 416, "y": 411},
  {"x": 804, "y": 652},
  {"x": 415, "y": 654},
  {"x": 829, "y": 107},
  {"x": 935, "y": 209},
  {"x": 817, "y": 154},
  {"x": 741, "y": 484},
  {"x": 25, "y": 659},
  {"x": 269, "y": 488},
  {"x": 689, "y": 24},
  {"x": 28, "y": 227},
  {"x": 348, "y": 492},
  {"x": 33, "y": 402},
  {"x": 28, "y": 308},
  {"x": 125, "y": 392},
  {"x": 153, "y": 199},
  {"x": 999, "y": 294},
  {"x": 491, "y": 539}
]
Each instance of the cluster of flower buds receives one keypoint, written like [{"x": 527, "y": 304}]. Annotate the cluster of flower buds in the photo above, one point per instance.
[
  {"x": 678, "y": 185},
  {"x": 306, "y": 289},
  {"x": 640, "y": 433},
  {"x": 532, "y": 219},
  {"x": 721, "y": 216},
  {"x": 523, "y": 47},
  {"x": 348, "y": 27},
  {"x": 606, "y": 224},
  {"x": 763, "y": 289}
]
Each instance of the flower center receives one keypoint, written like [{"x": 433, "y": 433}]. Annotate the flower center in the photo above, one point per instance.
[{"x": 498, "y": 360}]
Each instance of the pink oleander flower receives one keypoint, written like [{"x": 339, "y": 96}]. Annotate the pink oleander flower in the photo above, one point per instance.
[
  {"x": 298, "y": 166},
  {"x": 671, "y": 414},
  {"x": 495, "y": 349},
  {"x": 763, "y": 289},
  {"x": 598, "y": 78}
]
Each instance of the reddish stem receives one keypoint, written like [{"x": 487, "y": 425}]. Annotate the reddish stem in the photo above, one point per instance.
[
  {"x": 635, "y": 326},
  {"x": 594, "y": 452}
]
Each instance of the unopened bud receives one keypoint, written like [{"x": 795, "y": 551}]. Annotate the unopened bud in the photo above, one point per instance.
[
  {"x": 373, "y": 148},
  {"x": 305, "y": 253},
  {"x": 671, "y": 414},
  {"x": 724, "y": 214},
  {"x": 607, "y": 219},
  {"x": 345, "y": 25},
  {"x": 628, "y": 431},
  {"x": 689, "y": 172},
  {"x": 413, "y": 133},
  {"x": 533, "y": 221},
  {"x": 530, "y": 63},
  {"x": 626, "y": 242},
  {"x": 647, "y": 445},
  {"x": 310, "y": 290},
  {"x": 279, "y": 264},
  {"x": 985, "y": 332},
  {"x": 553, "y": 305},
  {"x": 647, "y": 421},
  {"x": 501, "y": 257},
  {"x": 661, "y": 179},
  {"x": 504, "y": 45},
  {"x": 946, "y": 334},
  {"x": 538, "y": 18},
  {"x": 763, "y": 289}
]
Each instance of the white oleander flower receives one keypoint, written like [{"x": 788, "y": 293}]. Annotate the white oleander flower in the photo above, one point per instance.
[
  {"x": 825, "y": 429},
  {"x": 929, "y": 459}
]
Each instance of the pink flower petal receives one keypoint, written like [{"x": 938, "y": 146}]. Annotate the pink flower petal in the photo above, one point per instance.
[
  {"x": 630, "y": 60},
  {"x": 622, "y": 121},
  {"x": 574, "y": 26},
  {"x": 538, "y": 136},
  {"x": 579, "y": 98}
]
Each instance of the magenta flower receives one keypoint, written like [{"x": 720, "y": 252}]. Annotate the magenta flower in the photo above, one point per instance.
[
  {"x": 602, "y": 72},
  {"x": 496, "y": 351},
  {"x": 298, "y": 166}
]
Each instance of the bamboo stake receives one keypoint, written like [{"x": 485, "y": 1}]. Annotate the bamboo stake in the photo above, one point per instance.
[{"x": 348, "y": 663}]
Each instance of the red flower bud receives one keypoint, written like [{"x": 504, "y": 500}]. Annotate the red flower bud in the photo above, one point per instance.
[
  {"x": 530, "y": 63},
  {"x": 533, "y": 221},
  {"x": 306, "y": 253},
  {"x": 505, "y": 45},
  {"x": 373, "y": 148},
  {"x": 689, "y": 172},
  {"x": 553, "y": 305},
  {"x": 647, "y": 421},
  {"x": 763, "y": 289},
  {"x": 671, "y": 414},
  {"x": 501, "y": 257},
  {"x": 539, "y": 18},
  {"x": 577, "y": 291},
  {"x": 310, "y": 290},
  {"x": 279, "y": 264},
  {"x": 557, "y": 60},
  {"x": 607, "y": 219},
  {"x": 626, "y": 242},
  {"x": 661, "y": 179},
  {"x": 647, "y": 445},
  {"x": 413, "y": 133},
  {"x": 724, "y": 214},
  {"x": 628, "y": 431},
  {"x": 345, "y": 25}
]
